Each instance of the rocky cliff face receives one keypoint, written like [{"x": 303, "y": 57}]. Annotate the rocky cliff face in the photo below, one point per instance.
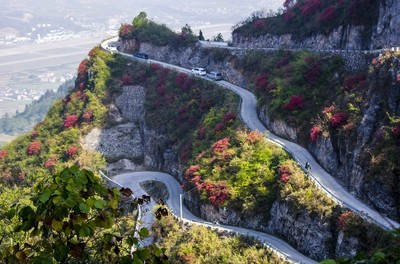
[
  {"x": 129, "y": 145},
  {"x": 385, "y": 34},
  {"x": 311, "y": 234},
  {"x": 300, "y": 228},
  {"x": 278, "y": 127},
  {"x": 387, "y": 31},
  {"x": 340, "y": 38}
]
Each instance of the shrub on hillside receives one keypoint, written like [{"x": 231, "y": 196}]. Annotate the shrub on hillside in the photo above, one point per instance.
[
  {"x": 338, "y": 119},
  {"x": 3, "y": 154},
  {"x": 354, "y": 81},
  {"x": 34, "y": 148},
  {"x": 296, "y": 102},
  {"x": 125, "y": 31},
  {"x": 70, "y": 121},
  {"x": 126, "y": 79},
  {"x": 315, "y": 133},
  {"x": 71, "y": 151}
]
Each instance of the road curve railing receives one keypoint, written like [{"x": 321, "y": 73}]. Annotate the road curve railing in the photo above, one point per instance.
[
  {"x": 224, "y": 45},
  {"x": 132, "y": 180},
  {"x": 323, "y": 179}
]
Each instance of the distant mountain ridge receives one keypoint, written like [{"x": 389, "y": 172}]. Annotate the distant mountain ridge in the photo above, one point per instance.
[{"x": 34, "y": 112}]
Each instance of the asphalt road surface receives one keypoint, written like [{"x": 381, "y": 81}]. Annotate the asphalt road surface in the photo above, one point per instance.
[{"x": 132, "y": 180}]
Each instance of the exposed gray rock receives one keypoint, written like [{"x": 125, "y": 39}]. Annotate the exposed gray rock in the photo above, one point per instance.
[
  {"x": 340, "y": 38},
  {"x": 346, "y": 246},
  {"x": 307, "y": 232},
  {"x": 121, "y": 166},
  {"x": 115, "y": 114},
  {"x": 122, "y": 141},
  {"x": 160, "y": 156},
  {"x": 131, "y": 103},
  {"x": 323, "y": 151},
  {"x": 387, "y": 31},
  {"x": 278, "y": 127}
]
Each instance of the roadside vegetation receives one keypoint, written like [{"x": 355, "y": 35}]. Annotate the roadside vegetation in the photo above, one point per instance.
[
  {"x": 144, "y": 30},
  {"x": 303, "y": 18},
  {"x": 200, "y": 245},
  {"x": 228, "y": 165}
]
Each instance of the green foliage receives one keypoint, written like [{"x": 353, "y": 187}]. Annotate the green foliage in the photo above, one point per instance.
[
  {"x": 387, "y": 253},
  {"x": 304, "y": 194},
  {"x": 247, "y": 163},
  {"x": 178, "y": 103},
  {"x": 199, "y": 245},
  {"x": 146, "y": 30},
  {"x": 280, "y": 76},
  {"x": 71, "y": 219}
]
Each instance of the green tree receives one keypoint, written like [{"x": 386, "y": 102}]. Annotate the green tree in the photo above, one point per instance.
[
  {"x": 187, "y": 30},
  {"x": 71, "y": 218},
  {"x": 140, "y": 20},
  {"x": 218, "y": 38},
  {"x": 201, "y": 37}
]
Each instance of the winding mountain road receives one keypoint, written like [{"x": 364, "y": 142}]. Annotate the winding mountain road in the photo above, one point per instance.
[
  {"x": 248, "y": 113},
  {"x": 132, "y": 180}
]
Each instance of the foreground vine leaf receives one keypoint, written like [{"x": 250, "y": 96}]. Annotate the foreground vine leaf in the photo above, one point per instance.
[{"x": 73, "y": 217}]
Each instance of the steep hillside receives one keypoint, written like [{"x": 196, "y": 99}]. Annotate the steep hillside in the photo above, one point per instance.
[
  {"x": 124, "y": 116},
  {"x": 299, "y": 85},
  {"x": 324, "y": 24},
  {"x": 33, "y": 113},
  {"x": 354, "y": 123}
]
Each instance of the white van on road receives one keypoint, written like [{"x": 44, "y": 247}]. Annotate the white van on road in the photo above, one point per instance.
[
  {"x": 215, "y": 75},
  {"x": 199, "y": 71}
]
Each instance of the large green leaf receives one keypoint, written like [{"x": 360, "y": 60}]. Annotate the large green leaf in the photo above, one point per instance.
[
  {"x": 100, "y": 203},
  {"x": 57, "y": 225},
  {"x": 45, "y": 195},
  {"x": 84, "y": 231},
  {"x": 84, "y": 208},
  {"x": 143, "y": 232},
  {"x": 144, "y": 253}
]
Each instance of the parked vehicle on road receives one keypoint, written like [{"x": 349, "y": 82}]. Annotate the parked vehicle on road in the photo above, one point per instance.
[
  {"x": 214, "y": 75},
  {"x": 199, "y": 71},
  {"x": 141, "y": 55},
  {"x": 112, "y": 48}
]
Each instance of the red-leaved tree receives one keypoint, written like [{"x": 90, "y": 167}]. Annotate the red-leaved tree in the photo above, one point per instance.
[
  {"x": 125, "y": 31},
  {"x": 296, "y": 102},
  {"x": 327, "y": 15},
  {"x": 71, "y": 151},
  {"x": 220, "y": 146},
  {"x": 396, "y": 131},
  {"x": 217, "y": 192},
  {"x": 262, "y": 81},
  {"x": 315, "y": 133},
  {"x": 3, "y": 154},
  {"x": 34, "y": 148},
  {"x": 354, "y": 82},
  {"x": 254, "y": 136},
  {"x": 285, "y": 173},
  {"x": 346, "y": 220},
  {"x": 87, "y": 116},
  {"x": 338, "y": 119},
  {"x": 126, "y": 79},
  {"x": 70, "y": 120},
  {"x": 51, "y": 162}
]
